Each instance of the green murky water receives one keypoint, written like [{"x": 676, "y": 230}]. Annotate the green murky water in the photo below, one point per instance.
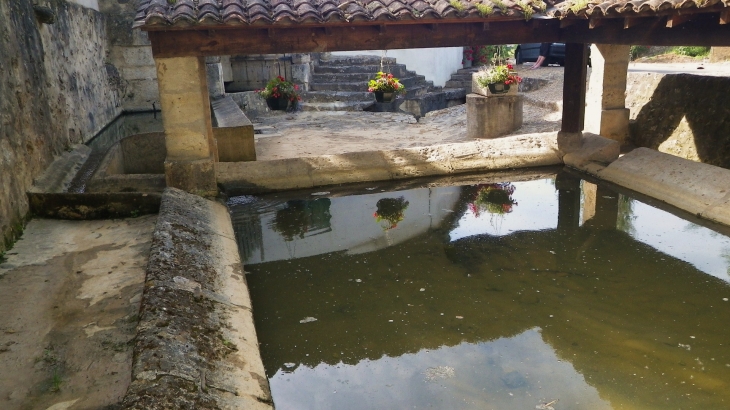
[{"x": 491, "y": 296}]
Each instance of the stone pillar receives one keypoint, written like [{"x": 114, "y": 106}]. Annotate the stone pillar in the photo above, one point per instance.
[
  {"x": 191, "y": 150},
  {"x": 492, "y": 116},
  {"x": 214, "y": 70},
  {"x": 301, "y": 70},
  {"x": 606, "y": 112}
]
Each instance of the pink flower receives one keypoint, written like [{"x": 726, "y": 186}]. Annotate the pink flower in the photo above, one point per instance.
[{"x": 296, "y": 87}]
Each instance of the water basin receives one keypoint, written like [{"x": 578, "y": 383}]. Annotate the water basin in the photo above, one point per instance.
[{"x": 550, "y": 293}]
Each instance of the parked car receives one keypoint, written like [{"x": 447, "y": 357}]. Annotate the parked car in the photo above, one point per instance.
[{"x": 529, "y": 52}]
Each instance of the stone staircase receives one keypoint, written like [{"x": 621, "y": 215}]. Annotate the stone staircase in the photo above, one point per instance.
[
  {"x": 339, "y": 83},
  {"x": 462, "y": 79}
]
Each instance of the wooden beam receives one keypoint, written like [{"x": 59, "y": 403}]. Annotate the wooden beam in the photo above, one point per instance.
[
  {"x": 249, "y": 40},
  {"x": 631, "y": 22},
  {"x": 574, "y": 87},
  {"x": 703, "y": 30},
  {"x": 725, "y": 16},
  {"x": 595, "y": 22},
  {"x": 676, "y": 20},
  {"x": 485, "y": 26},
  {"x": 567, "y": 22}
]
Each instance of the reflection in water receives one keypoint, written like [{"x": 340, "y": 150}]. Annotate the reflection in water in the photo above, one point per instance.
[
  {"x": 456, "y": 315},
  {"x": 390, "y": 212},
  {"x": 518, "y": 372},
  {"x": 301, "y": 217}
]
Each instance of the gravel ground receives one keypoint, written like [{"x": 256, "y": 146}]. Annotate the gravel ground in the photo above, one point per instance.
[{"x": 306, "y": 134}]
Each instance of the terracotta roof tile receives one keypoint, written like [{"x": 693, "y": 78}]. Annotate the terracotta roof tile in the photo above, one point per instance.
[{"x": 152, "y": 13}]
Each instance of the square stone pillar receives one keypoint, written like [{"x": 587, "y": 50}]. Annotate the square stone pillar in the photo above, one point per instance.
[
  {"x": 492, "y": 116},
  {"x": 606, "y": 112},
  {"x": 191, "y": 150}
]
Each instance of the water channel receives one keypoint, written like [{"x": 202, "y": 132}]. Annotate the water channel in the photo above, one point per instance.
[{"x": 551, "y": 294}]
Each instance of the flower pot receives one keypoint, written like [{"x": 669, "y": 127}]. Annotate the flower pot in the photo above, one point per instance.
[
  {"x": 383, "y": 97},
  {"x": 277, "y": 103},
  {"x": 498, "y": 88}
]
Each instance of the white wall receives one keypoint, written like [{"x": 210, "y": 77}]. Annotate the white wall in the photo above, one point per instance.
[
  {"x": 436, "y": 64},
  {"x": 92, "y": 4}
]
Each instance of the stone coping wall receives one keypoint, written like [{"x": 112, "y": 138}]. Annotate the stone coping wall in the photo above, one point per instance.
[
  {"x": 196, "y": 345},
  {"x": 54, "y": 92},
  {"x": 681, "y": 114}
]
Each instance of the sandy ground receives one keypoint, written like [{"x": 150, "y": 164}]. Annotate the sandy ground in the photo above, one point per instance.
[
  {"x": 69, "y": 298},
  {"x": 307, "y": 134}
]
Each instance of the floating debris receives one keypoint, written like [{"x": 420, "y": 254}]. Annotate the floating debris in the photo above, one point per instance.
[
  {"x": 546, "y": 406},
  {"x": 308, "y": 319},
  {"x": 438, "y": 373},
  {"x": 320, "y": 193},
  {"x": 423, "y": 289},
  {"x": 289, "y": 365},
  {"x": 460, "y": 317},
  {"x": 358, "y": 280}
]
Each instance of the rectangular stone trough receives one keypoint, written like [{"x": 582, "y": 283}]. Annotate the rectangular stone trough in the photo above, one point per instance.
[{"x": 134, "y": 164}]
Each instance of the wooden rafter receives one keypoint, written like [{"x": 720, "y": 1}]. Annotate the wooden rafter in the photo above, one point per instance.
[
  {"x": 725, "y": 16},
  {"x": 677, "y": 19}
]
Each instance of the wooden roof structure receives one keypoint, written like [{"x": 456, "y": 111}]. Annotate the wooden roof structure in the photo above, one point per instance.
[{"x": 223, "y": 27}]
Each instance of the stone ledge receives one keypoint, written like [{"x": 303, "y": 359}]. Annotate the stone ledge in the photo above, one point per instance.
[
  {"x": 701, "y": 189},
  {"x": 523, "y": 151},
  {"x": 196, "y": 346}
]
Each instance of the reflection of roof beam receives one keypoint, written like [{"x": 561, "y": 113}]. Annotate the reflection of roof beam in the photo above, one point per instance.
[
  {"x": 725, "y": 16},
  {"x": 676, "y": 20}
]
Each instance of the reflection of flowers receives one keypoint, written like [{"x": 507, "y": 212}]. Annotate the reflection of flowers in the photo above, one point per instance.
[
  {"x": 299, "y": 217},
  {"x": 493, "y": 198},
  {"x": 390, "y": 211}
]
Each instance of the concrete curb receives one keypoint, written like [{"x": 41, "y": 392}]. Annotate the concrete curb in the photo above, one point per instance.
[
  {"x": 196, "y": 346},
  {"x": 522, "y": 151}
]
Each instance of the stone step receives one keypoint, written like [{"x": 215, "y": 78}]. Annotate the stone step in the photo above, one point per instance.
[
  {"x": 408, "y": 82},
  {"x": 432, "y": 101},
  {"x": 337, "y": 105},
  {"x": 458, "y": 84},
  {"x": 398, "y": 70},
  {"x": 356, "y": 60},
  {"x": 334, "y": 96},
  {"x": 353, "y": 77}
]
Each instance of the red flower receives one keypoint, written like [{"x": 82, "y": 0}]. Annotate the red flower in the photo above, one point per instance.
[
  {"x": 280, "y": 78},
  {"x": 296, "y": 87},
  {"x": 510, "y": 66}
]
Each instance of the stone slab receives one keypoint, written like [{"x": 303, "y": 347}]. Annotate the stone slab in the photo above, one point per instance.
[
  {"x": 233, "y": 131},
  {"x": 493, "y": 116},
  {"x": 59, "y": 175},
  {"x": 594, "y": 148},
  {"x": 701, "y": 189}
]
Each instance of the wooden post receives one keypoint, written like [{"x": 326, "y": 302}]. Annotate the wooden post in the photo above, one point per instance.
[{"x": 574, "y": 97}]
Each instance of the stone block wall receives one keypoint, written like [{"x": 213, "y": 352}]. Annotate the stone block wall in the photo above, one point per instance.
[
  {"x": 130, "y": 56},
  {"x": 681, "y": 114},
  {"x": 55, "y": 91}
]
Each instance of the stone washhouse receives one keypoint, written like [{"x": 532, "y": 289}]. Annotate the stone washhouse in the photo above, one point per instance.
[{"x": 183, "y": 32}]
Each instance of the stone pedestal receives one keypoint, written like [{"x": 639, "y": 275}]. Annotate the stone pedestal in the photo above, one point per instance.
[
  {"x": 492, "y": 116},
  {"x": 191, "y": 149},
  {"x": 606, "y": 113}
]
